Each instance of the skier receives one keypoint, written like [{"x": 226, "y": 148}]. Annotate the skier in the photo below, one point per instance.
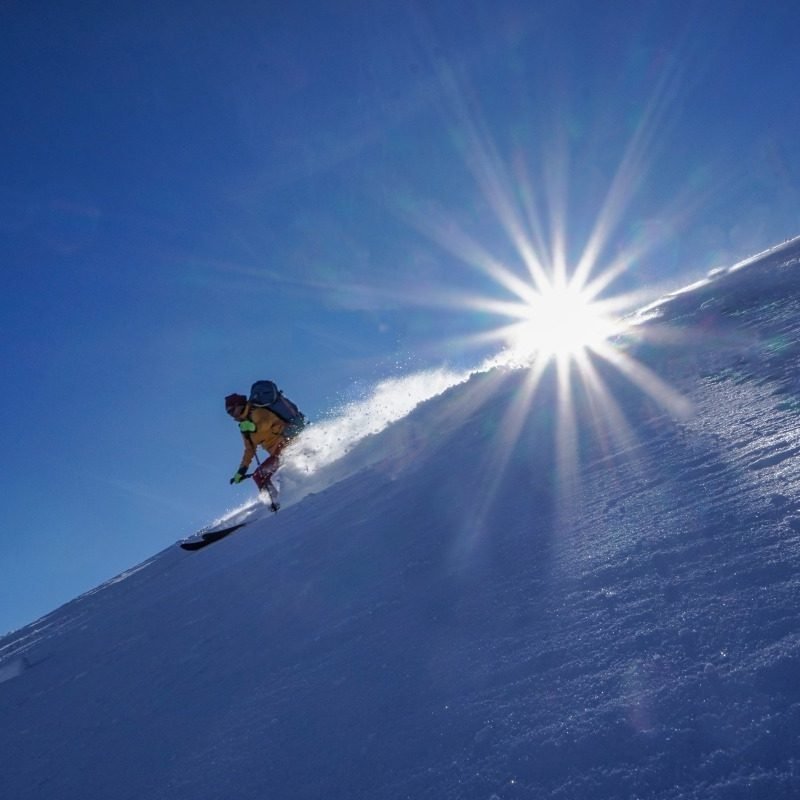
[{"x": 271, "y": 424}]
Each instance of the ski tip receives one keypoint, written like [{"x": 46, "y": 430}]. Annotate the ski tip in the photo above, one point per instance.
[{"x": 192, "y": 545}]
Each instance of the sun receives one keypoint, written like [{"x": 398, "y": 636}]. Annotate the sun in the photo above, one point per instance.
[{"x": 560, "y": 321}]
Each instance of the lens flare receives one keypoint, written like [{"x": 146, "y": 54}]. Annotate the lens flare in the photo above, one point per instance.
[{"x": 556, "y": 294}]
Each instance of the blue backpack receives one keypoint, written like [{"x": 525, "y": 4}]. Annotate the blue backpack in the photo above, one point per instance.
[{"x": 265, "y": 394}]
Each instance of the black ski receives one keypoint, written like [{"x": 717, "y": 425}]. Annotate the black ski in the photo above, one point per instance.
[{"x": 209, "y": 537}]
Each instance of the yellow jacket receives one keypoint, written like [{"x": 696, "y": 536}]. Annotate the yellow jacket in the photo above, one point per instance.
[{"x": 268, "y": 433}]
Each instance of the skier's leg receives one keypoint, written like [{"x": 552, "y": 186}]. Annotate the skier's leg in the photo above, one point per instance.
[
  {"x": 269, "y": 468},
  {"x": 271, "y": 465}
]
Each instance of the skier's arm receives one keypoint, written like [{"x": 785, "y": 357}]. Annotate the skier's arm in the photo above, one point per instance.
[{"x": 249, "y": 453}]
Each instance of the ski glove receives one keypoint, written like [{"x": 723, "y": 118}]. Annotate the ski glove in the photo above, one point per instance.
[
  {"x": 246, "y": 426},
  {"x": 239, "y": 475}
]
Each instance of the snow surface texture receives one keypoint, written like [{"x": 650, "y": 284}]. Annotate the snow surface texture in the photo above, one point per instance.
[{"x": 445, "y": 620}]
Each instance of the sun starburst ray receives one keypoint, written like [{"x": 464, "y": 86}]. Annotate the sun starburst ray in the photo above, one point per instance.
[
  {"x": 566, "y": 435},
  {"x": 649, "y": 382},
  {"x": 607, "y": 420}
]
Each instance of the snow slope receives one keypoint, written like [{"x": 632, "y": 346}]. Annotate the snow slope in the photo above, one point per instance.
[{"x": 447, "y": 617}]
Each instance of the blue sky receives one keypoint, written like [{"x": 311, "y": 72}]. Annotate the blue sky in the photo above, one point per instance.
[{"x": 214, "y": 193}]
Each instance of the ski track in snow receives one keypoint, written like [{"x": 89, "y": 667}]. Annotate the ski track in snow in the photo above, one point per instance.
[{"x": 404, "y": 633}]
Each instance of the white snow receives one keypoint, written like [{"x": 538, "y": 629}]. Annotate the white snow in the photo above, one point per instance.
[{"x": 438, "y": 614}]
